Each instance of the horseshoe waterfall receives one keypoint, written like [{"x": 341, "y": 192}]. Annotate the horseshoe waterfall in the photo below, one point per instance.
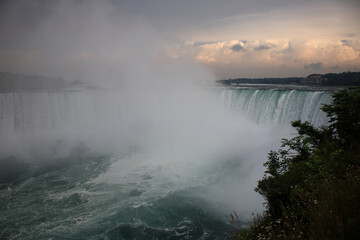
[{"x": 154, "y": 163}]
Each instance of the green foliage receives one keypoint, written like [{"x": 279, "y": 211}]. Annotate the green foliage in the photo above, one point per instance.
[
  {"x": 312, "y": 183},
  {"x": 345, "y": 78},
  {"x": 344, "y": 115}
]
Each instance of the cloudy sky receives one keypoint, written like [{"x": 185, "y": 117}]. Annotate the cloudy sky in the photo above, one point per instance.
[{"x": 244, "y": 38}]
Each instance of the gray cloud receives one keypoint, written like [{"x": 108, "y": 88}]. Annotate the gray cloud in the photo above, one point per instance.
[
  {"x": 314, "y": 66},
  {"x": 237, "y": 48},
  {"x": 265, "y": 46},
  {"x": 350, "y": 35},
  {"x": 204, "y": 43},
  {"x": 345, "y": 42},
  {"x": 52, "y": 37}
]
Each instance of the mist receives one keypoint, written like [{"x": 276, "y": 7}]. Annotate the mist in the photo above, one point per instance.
[{"x": 153, "y": 112}]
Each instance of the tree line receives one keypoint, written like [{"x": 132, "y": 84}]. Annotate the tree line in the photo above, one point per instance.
[
  {"x": 329, "y": 79},
  {"x": 312, "y": 183}
]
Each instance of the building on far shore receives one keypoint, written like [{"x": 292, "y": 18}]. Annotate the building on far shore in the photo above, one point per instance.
[{"x": 313, "y": 79}]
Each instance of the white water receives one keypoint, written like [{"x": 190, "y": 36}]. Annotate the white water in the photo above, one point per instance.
[
  {"x": 159, "y": 144},
  {"x": 278, "y": 106}
]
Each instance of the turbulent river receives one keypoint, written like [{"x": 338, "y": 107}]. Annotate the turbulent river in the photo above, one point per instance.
[{"x": 112, "y": 164}]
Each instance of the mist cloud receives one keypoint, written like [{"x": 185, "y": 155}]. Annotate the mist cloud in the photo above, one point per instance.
[
  {"x": 150, "y": 72},
  {"x": 76, "y": 40},
  {"x": 314, "y": 66}
]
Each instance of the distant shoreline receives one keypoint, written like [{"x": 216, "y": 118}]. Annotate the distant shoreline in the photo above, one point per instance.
[
  {"x": 345, "y": 79},
  {"x": 15, "y": 82},
  {"x": 283, "y": 87}
]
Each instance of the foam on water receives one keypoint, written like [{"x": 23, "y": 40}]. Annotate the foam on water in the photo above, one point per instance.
[{"x": 110, "y": 165}]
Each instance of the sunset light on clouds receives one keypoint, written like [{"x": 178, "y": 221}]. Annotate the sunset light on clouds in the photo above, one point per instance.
[
  {"x": 161, "y": 119},
  {"x": 274, "y": 38},
  {"x": 233, "y": 58}
]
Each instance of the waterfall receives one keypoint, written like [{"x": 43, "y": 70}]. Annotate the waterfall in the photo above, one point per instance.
[
  {"x": 27, "y": 112},
  {"x": 30, "y": 111},
  {"x": 278, "y": 106},
  {"x": 145, "y": 162},
  {"x": 32, "y": 119}
]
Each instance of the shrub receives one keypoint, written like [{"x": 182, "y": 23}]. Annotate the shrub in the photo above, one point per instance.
[{"x": 312, "y": 183}]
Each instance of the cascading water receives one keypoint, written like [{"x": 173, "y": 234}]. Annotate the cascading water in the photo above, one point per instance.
[
  {"x": 28, "y": 112},
  {"x": 278, "y": 106},
  {"x": 104, "y": 164}
]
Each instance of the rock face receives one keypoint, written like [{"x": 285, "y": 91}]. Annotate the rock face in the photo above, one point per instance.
[{"x": 10, "y": 168}]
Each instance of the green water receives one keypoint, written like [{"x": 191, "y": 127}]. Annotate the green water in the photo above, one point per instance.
[
  {"x": 106, "y": 165},
  {"x": 63, "y": 200}
]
